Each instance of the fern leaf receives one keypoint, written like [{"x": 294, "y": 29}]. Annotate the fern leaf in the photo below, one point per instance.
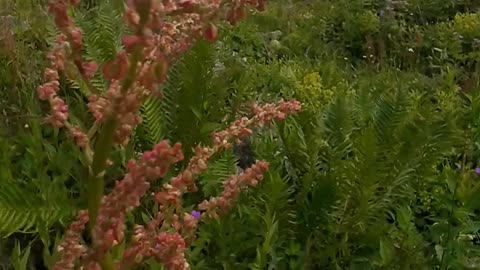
[
  {"x": 21, "y": 211},
  {"x": 189, "y": 111},
  {"x": 390, "y": 112},
  {"x": 103, "y": 28},
  {"x": 218, "y": 171},
  {"x": 339, "y": 126},
  {"x": 278, "y": 198},
  {"x": 152, "y": 120}
]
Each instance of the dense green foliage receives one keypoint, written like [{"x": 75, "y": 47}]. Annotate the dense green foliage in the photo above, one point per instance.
[{"x": 377, "y": 172}]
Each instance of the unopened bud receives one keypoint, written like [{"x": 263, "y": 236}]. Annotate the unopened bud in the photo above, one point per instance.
[
  {"x": 138, "y": 258},
  {"x": 210, "y": 33}
]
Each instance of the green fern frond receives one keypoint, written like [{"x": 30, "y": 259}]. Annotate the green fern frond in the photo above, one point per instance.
[
  {"x": 363, "y": 106},
  {"x": 379, "y": 146},
  {"x": 295, "y": 143},
  {"x": 158, "y": 114},
  {"x": 21, "y": 211},
  {"x": 338, "y": 126},
  {"x": 218, "y": 171},
  {"x": 103, "y": 28},
  {"x": 170, "y": 90},
  {"x": 52, "y": 32},
  {"x": 277, "y": 196},
  {"x": 101, "y": 34},
  {"x": 97, "y": 82},
  {"x": 193, "y": 100},
  {"x": 152, "y": 121},
  {"x": 389, "y": 113}
]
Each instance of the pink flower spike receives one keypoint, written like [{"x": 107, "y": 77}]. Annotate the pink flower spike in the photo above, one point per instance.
[
  {"x": 130, "y": 42},
  {"x": 89, "y": 69}
]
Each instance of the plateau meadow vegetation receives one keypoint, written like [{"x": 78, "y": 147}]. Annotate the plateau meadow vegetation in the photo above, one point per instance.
[{"x": 239, "y": 134}]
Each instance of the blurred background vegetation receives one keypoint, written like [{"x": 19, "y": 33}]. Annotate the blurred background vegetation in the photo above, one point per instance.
[{"x": 378, "y": 171}]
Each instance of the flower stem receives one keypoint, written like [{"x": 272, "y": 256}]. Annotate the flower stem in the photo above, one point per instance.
[
  {"x": 103, "y": 146},
  {"x": 95, "y": 183},
  {"x": 107, "y": 263}
]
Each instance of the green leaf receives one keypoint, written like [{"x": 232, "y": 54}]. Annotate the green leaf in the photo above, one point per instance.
[
  {"x": 21, "y": 210},
  {"x": 19, "y": 257},
  {"x": 197, "y": 113},
  {"x": 439, "y": 252},
  {"x": 386, "y": 251}
]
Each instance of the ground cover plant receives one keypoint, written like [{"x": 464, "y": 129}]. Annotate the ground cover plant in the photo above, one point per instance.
[{"x": 314, "y": 134}]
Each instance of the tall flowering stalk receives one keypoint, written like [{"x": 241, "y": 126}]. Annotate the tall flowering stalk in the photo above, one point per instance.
[{"x": 162, "y": 31}]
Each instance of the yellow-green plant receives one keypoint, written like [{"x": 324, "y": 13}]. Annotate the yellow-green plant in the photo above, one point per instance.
[{"x": 311, "y": 92}]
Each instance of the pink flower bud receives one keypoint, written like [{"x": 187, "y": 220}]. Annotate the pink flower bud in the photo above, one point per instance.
[
  {"x": 202, "y": 165},
  {"x": 131, "y": 17},
  {"x": 186, "y": 4},
  {"x": 130, "y": 42},
  {"x": 76, "y": 40},
  {"x": 89, "y": 69},
  {"x": 46, "y": 91},
  {"x": 280, "y": 116},
  {"x": 116, "y": 69},
  {"x": 80, "y": 137},
  {"x": 59, "y": 10},
  {"x": 50, "y": 74},
  {"x": 210, "y": 33}
]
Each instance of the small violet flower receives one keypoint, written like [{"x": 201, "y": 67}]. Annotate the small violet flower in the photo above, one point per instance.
[
  {"x": 196, "y": 214},
  {"x": 477, "y": 171}
]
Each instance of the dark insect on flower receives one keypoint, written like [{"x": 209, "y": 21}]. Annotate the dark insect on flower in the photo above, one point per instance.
[{"x": 243, "y": 152}]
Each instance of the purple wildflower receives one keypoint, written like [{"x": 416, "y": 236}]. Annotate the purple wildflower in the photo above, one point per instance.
[
  {"x": 477, "y": 171},
  {"x": 196, "y": 214}
]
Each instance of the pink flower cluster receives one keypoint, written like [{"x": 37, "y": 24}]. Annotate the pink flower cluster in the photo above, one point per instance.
[
  {"x": 162, "y": 31},
  {"x": 167, "y": 248},
  {"x": 168, "y": 244},
  {"x": 71, "y": 249},
  {"x": 268, "y": 112},
  {"x": 262, "y": 116},
  {"x": 232, "y": 188},
  {"x": 185, "y": 181},
  {"x": 122, "y": 107},
  {"x": 110, "y": 226},
  {"x": 67, "y": 47},
  {"x": 48, "y": 91},
  {"x": 171, "y": 193}
]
